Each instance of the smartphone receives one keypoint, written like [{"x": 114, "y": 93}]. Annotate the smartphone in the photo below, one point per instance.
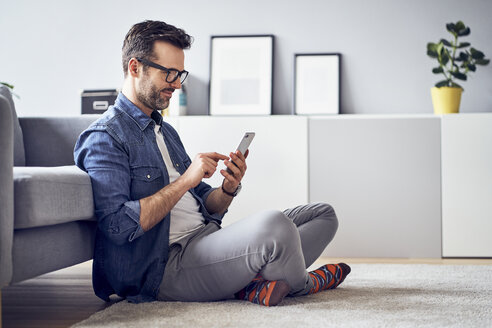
[
  {"x": 245, "y": 142},
  {"x": 243, "y": 145}
]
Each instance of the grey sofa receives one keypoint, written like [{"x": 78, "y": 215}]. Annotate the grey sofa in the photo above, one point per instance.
[{"x": 46, "y": 206}]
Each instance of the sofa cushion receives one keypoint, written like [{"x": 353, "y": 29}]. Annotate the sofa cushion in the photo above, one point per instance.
[
  {"x": 19, "y": 154},
  {"x": 41, "y": 133},
  {"x": 51, "y": 195}
]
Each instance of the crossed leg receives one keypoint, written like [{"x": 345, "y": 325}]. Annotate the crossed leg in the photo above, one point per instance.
[{"x": 276, "y": 245}]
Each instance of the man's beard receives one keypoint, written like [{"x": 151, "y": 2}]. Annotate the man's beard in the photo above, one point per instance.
[{"x": 151, "y": 97}]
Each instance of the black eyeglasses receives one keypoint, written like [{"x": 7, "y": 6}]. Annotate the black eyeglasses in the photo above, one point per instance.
[{"x": 172, "y": 74}]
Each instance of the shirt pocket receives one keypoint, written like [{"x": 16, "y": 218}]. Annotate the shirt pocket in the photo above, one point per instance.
[{"x": 146, "y": 181}]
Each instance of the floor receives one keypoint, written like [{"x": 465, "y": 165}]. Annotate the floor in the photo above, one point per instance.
[{"x": 65, "y": 297}]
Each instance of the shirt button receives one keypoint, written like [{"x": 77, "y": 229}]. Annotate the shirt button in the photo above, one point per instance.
[
  {"x": 177, "y": 165},
  {"x": 148, "y": 176}
]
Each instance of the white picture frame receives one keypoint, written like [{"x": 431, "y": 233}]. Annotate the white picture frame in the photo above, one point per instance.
[
  {"x": 241, "y": 75},
  {"x": 317, "y": 87}
]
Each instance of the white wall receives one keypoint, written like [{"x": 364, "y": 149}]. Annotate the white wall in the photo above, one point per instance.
[{"x": 50, "y": 50}]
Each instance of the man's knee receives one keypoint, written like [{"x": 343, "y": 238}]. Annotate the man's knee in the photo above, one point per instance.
[
  {"x": 325, "y": 211},
  {"x": 276, "y": 225}
]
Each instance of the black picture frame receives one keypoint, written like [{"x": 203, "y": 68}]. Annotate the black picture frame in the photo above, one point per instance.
[
  {"x": 317, "y": 83},
  {"x": 241, "y": 74}
]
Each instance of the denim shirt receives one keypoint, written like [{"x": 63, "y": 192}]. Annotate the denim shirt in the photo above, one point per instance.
[{"x": 120, "y": 153}]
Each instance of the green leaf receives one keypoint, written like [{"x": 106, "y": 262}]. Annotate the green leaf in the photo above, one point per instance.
[
  {"x": 451, "y": 27},
  {"x": 459, "y": 26},
  {"x": 463, "y": 56},
  {"x": 432, "y": 50},
  {"x": 7, "y": 85},
  {"x": 432, "y": 46},
  {"x": 446, "y": 43},
  {"x": 459, "y": 76},
  {"x": 439, "y": 47},
  {"x": 468, "y": 67},
  {"x": 482, "y": 62},
  {"x": 11, "y": 87},
  {"x": 442, "y": 84},
  {"x": 476, "y": 54},
  {"x": 445, "y": 57},
  {"x": 431, "y": 54},
  {"x": 464, "y": 32},
  {"x": 437, "y": 70},
  {"x": 463, "y": 45}
]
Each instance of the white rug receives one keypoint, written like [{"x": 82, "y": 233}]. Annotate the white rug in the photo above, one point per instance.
[{"x": 373, "y": 295}]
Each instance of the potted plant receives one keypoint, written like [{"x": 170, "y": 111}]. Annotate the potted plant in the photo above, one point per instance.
[
  {"x": 10, "y": 86},
  {"x": 446, "y": 94}
]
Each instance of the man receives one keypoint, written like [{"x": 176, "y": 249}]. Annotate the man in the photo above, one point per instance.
[{"x": 159, "y": 235}]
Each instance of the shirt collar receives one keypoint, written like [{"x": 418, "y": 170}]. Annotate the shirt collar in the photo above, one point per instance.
[
  {"x": 157, "y": 117},
  {"x": 133, "y": 111}
]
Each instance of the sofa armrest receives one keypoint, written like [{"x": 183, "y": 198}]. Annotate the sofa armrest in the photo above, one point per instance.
[
  {"x": 6, "y": 191},
  {"x": 49, "y": 141}
]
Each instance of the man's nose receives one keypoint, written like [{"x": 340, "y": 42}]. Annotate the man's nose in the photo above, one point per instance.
[{"x": 176, "y": 84}]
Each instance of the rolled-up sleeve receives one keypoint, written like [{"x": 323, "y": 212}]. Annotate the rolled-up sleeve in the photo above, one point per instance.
[
  {"x": 106, "y": 162},
  {"x": 203, "y": 190}
]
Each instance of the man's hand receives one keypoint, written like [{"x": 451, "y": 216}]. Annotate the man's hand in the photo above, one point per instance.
[
  {"x": 203, "y": 165},
  {"x": 238, "y": 169},
  {"x": 155, "y": 207},
  {"x": 218, "y": 201}
]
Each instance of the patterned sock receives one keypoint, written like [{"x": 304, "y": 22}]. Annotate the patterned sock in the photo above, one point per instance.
[
  {"x": 329, "y": 276},
  {"x": 264, "y": 292}
]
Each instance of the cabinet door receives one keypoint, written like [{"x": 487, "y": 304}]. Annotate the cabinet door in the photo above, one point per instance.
[
  {"x": 277, "y": 175},
  {"x": 467, "y": 185},
  {"x": 382, "y": 176}
]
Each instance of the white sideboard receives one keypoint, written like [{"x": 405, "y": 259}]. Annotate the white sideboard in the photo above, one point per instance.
[
  {"x": 402, "y": 185},
  {"x": 467, "y": 185},
  {"x": 382, "y": 176}
]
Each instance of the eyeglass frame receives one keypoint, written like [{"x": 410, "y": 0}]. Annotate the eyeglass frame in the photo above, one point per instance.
[{"x": 165, "y": 69}]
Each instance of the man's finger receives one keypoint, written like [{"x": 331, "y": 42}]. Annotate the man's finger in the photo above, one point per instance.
[
  {"x": 233, "y": 168},
  {"x": 239, "y": 155},
  {"x": 209, "y": 170},
  {"x": 229, "y": 177},
  {"x": 238, "y": 161},
  {"x": 215, "y": 156},
  {"x": 209, "y": 161}
]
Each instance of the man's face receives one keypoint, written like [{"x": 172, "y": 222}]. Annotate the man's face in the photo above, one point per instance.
[{"x": 152, "y": 90}]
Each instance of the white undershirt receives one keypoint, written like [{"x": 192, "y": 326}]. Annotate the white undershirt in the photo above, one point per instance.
[{"x": 185, "y": 215}]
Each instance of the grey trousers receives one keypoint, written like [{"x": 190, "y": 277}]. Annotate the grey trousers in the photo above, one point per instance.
[{"x": 215, "y": 263}]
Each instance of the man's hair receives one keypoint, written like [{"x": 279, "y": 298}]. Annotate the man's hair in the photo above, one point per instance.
[{"x": 139, "y": 40}]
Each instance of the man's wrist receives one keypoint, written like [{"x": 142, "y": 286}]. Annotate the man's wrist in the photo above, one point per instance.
[{"x": 232, "y": 194}]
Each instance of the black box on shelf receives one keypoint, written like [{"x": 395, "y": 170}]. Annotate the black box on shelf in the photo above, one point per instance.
[{"x": 97, "y": 101}]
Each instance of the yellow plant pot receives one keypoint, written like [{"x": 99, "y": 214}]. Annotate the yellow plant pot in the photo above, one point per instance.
[{"x": 446, "y": 100}]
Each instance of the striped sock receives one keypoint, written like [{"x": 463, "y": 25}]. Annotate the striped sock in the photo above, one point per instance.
[
  {"x": 329, "y": 276},
  {"x": 264, "y": 292}
]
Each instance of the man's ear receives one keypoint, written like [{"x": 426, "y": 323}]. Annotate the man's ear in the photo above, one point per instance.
[{"x": 133, "y": 67}]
